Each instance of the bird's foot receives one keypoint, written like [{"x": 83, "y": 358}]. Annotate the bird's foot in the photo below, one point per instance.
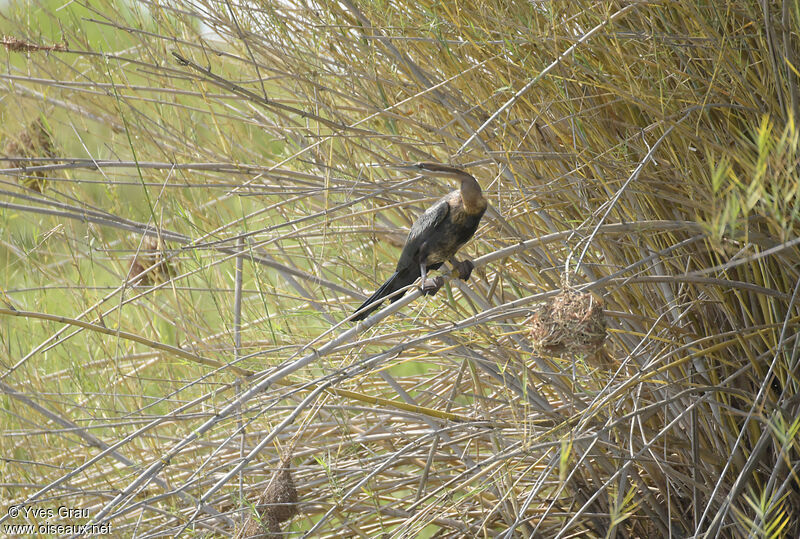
[
  {"x": 431, "y": 286},
  {"x": 463, "y": 269}
]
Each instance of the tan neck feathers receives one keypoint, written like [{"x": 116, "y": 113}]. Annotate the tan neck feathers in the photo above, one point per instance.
[{"x": 471, "y": 195}]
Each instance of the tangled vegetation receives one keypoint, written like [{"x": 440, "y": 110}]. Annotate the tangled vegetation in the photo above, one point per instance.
[{"x": 195, "y": 197}]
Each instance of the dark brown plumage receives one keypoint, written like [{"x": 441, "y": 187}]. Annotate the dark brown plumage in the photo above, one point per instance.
[{"x": 435, "y": 237}]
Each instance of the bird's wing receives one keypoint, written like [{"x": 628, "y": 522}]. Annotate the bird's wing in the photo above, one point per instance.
[{"x": 421, "y": 230}]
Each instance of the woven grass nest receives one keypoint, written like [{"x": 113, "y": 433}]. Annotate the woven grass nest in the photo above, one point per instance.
[
  {"x": 33, "y": 141},
  {"x": 151, "y": 255},
  {"x": 277, "y": 504},
  {"x": 571, "y": 322}
]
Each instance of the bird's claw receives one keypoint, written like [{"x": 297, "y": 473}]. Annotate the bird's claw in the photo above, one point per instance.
[
  {"x": 431, "y": 286},
  {"x": 463, "y": 269}
]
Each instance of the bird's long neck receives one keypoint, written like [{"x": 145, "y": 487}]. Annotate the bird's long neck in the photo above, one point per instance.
[{"x": 471, "y": 195}]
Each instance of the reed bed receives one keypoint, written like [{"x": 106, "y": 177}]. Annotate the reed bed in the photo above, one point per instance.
[{"x": 195, "y": 198}]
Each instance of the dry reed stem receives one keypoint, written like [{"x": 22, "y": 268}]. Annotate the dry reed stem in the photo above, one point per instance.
[{"x": 646, "y": 149}]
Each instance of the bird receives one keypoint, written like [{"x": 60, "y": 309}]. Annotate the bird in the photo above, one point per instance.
[{"x": 435, "y": 237}]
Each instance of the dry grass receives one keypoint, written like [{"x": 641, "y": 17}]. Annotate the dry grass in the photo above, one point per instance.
[{"x": 647, "y": 151}]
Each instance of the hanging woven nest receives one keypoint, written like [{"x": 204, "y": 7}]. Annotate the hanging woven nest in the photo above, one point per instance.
[
  {"x": 571, "y": 322},
  {"x": 152, "y": 260},
  {"x": 277, "y": 504},
  {"x": 32, "y": 142}
]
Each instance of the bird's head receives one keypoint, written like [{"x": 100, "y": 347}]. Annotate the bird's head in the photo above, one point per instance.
[
  {"x": 471, "y": 193},
  {"x": 434, "y": 170}
]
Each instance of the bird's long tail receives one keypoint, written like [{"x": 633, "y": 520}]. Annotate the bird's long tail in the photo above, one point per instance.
[{"x": 398, "y": 280}]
